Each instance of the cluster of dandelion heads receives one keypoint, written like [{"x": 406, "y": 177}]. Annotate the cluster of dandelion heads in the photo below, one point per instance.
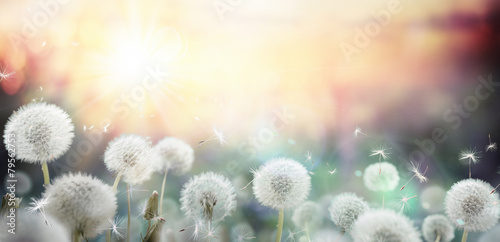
[
  {"x": 32, "y": 227},
  {"x": 345, "y": 210},
  {"x": 384, "y": 225},
  {"x": 385, "y": 181},
  {"x": 281, "y": 183},
  {"x": 307, "y": 215},
  {"x": 130, "y": 155},
  {"x": 81, "y": 202},
  {"x": 174, "y": 155},
  {"x": 470, "y": 205},
  {"x": 435, "y": 225},
  {"x": 208, "y": 195},
  {"x": 42, "y": 132}
]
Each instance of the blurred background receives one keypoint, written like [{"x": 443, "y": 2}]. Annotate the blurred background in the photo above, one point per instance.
[{"x": 322, "y": 82}]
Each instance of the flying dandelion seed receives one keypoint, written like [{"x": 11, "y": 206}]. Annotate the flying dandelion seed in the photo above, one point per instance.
[
  {"x": 115, "y": 227},
  {"x": 218, "y": 134},
  {"x": 382, "y": 152},
  {"x": 309, "y": 157},
  {"x": 39, "y": 205},
  {"x": 105, "y": 129},
  {"x": 492, "y": 146},
  {"x": 471, "y": 155},
  {"x": 494, "y": 189},
  {"x": 242, "y": 232},
  {"x": 293, "y": 233},
  {"x": 4, "y": 74},
  {"x": 416, "y": 173},
  {"x": 331, "y": 171},
  {"x": 358, "y": 131},
  {"x": 404, "y": 202}
]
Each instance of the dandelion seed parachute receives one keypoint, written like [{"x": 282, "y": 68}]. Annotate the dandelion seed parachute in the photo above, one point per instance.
[
  {"x": 81, "y": 202},
  {"x": 472, "y": 202},
  {"x": 174, "y": 155},
  {"x": 435, "y": 225},
  {"x": 345, "y": 210},
  {"x": 43, "y": 132},
  {"x": 307, "y": 215},
  {"x": 130, "y": 155},
  {"x": 242, "y": 232},
  {"x": 208, "y": 195},
  {"x": 384, "y": 225},
  {"x": 281, "y": 183},
  {"x": 32, "y": 227},
  {"x": 385, "y": 181}
]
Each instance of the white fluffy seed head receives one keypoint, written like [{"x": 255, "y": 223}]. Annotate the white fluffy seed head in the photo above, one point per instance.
[
  {"x": 345, "y": 210},
  {"x": 306, "y": 215},
  {"x": 81, "y": 202},
  {"x": 470, "y": 205},
  {"x": 174, "y": 155},
  {"x": 385, "y": 225},
  {"x": 43, "y": 132},
  {"x": 281, "y": 183},
  {"x": 130, "y": 155},
  {"x": 385, "y": 181},
  {"x": 435, "y": 225},
  {"x": 208, "y": 195}
]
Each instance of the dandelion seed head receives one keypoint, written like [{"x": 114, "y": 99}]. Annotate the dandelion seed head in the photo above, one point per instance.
[
  {"x": 81, "y": 202},
  {"x": 385, "y": 181},
  {"x": 208, "y": 195},
  {"x": 471, "y": 200},
  {"x": 345, "y": 209},
  {"x": 384, "y": 225},
  {"x": 435, "y": 225},
  {"x": 31, "y": 227},
  {"x": 306, "y": 215},
  {"x": 130, "y": 155},
  {"x": 470, "y": 154},
  {"x": 174, "y": 155},
  {"x": 43, "y": 132},
  {"x": 281, "y": 183}
]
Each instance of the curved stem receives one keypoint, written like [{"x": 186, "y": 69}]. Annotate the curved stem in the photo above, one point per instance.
[
  {"x": 128, "y": 205},
  {"x": 162, "y": 190},
  {"x": 438, "y": 238},
  {"x": 115, "y": 187},
  {"x": 280, "y": 225},
  {"x": 46, "y": 176},
  {"x": 464, "y": 236}
]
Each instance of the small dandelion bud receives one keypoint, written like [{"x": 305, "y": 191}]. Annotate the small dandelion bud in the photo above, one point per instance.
[
  {"x": 438, "y": 225},
  {"x": 130, "y": 156},
  {"x": 384, "y": 225},
  {"x": 155, "y": 233},
  {"x": 174, "y": 155},
  {"x": 151, "y": 210},
  {"x": 209, "y": 195},
  {"x": 306, "y": 215},
  {"x": 385, "y": 181},
  {"x": 470, "y": 206},
  {"x": 81, "y": 202},
  {"x": 281, "y": 183},
  {"x": 32, "y": 227},
  {"x": 345, "y": 210},
  {"x": 43, "y": 132}
]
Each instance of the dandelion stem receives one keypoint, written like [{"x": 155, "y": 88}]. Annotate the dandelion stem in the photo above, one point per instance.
[
  {"x": 209, "y": 231},
  {"x": 469, "y": 169},
  {"x": 464, "y": 236},
  {"x": 307, "y": 233},
  {"x": 117, "y": 180},
  {"x": 76, "y": 236},
  {"x": 340, "y": 235},
  {"x": 438, "y": 238},
  {"x": 162, "y": 190},
  {"x": 46, "y": 176},
  {"x": 128, "y": 205},
  {"x": 280, "y": 225},
  {"x": 379, "y": 165}
]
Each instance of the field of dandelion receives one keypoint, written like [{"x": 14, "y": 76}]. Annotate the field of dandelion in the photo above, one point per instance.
[{"x": 249, "y": 120}]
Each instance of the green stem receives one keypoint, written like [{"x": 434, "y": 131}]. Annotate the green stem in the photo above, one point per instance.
[
  {"x": 115, "y": 187},
  {"x": 280, "y": 225},
  {"x": 464, "y": 236},
  {"x": 46, "y": 176},
  {"x": 438, "y": 238},
  {"x": 162, "y": 190},
  {"x": 128, "y": 205},
  {"x": 76, "y": 236}
]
